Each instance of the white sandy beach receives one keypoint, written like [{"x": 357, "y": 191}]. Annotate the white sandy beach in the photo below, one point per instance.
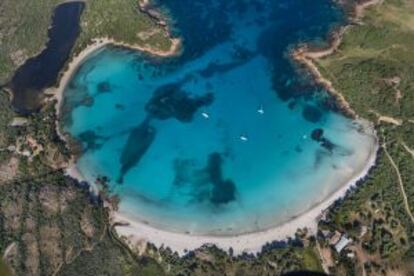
[
  {"x": 138, "y": 232},
  {"x": 96, "y": 45}
]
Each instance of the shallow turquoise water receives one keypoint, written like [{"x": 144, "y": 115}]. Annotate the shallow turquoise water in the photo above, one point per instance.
[{"x": 226, "y": 138}]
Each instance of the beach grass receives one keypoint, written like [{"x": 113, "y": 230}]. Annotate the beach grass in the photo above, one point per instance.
[{"x": 311, "y": 260}]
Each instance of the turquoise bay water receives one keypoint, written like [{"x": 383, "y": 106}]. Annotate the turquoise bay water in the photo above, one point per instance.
[{"x": 227, "y": 138}]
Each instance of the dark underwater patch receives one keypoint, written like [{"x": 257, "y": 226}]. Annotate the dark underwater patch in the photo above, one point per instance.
[
  {"x": 311, "y": 113},
  {"x": 318, "y": 136},
  {"x": 104, "y": 87},
  {"x": 139, "y": 140},
  {"x": 170, "y": 101},
  {"x": 91, "y": 140},
  {"x": 208, "y": 183},
  {"x": 73, "y": 98},
  {"x": 216, "y": 68},
  {"x": 224, "y": 190},
  {"x": 120, "y": 106},
  {"x": 87, "y": 101},
  {"x": 184, "y": 172},
  {"x": 72, "y": 84},
  {"x": 241, "y": 55},
  {"x": 320, "y": 155}
]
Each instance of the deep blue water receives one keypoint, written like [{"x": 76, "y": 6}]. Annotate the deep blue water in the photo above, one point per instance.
[
  {"x": 227, "y": 138},
  {"x": 41, "y": 71}
]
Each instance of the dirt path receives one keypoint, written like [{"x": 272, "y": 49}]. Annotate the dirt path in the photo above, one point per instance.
[
  {"x": 387, "y": 119},
  {"x": 390, "y": 120},
  {"x": 325, "y": 257},
  {"x": 407, "y": 206},
  {"x": 306, "y": 56},
  {"x": 410, "y": 151}
]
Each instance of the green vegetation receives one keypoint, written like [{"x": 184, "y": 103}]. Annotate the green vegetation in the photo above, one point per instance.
[
  {"x": 373, "y": 68},
  {"x": 4, "y": 269},
  {"x": 24, "y": 25},
  {"x": 52, "y": 227},
  {"x": 49, "y": 226},
  {"x": 23, "y": 32},
  {"x": 122, "y": 21},
  {"x": 276, "y": 260}
]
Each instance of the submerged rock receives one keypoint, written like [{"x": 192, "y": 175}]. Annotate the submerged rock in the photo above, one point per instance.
[
  {"x": 170, "y": 101},
  {"x": 139, "y": 140},
  {"x": 91, "y": 140},
  {"x": 317, "y": 135},
  {"x": 311, "y": 114},
  {"x": 224, "y": 190},
  {"x": 208, "y": 183},
  {"x": 104, "y": 87}
]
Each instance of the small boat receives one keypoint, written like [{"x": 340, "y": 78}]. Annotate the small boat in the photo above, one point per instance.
[
  {"x": 205, "y": 115},
  {"x": 260, "y": 110},
  {"x": 244, "y": 138}
]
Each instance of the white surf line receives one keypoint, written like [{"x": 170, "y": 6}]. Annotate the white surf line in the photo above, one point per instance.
[{"x": 407, "y": 206}]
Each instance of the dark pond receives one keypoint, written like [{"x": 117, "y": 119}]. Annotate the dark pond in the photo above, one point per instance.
[{"x": 41, "y": 71}]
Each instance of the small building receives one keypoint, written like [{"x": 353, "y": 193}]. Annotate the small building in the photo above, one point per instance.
[
  {"x": 351, "y": 255},
  {"x": 19, "y": 121},
  {"x": 364, "y": 230},
  {"x": 333, "y": 240},
  {"x": 342, "y": 243}
]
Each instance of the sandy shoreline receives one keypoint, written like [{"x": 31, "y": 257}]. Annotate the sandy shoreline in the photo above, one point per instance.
[
  {"x": 307, "y": 57},
  {"x": 138, "y": 232},
  {"x": 96, "y": 45},
  {"x": 56, "y": 93}
]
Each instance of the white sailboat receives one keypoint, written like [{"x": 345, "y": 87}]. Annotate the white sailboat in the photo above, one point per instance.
[
  {"x": 244, "y": 138},
  {"x": 260, "y": 110},
  {"x": 205, "y": 115}
]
